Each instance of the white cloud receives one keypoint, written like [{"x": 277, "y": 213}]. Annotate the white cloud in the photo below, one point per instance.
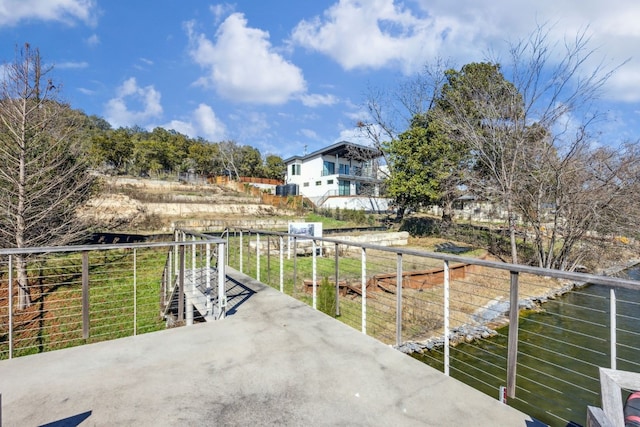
[
  {"x": 86, "y": 91},
  {"x": 212, "y": 128},
  {"x": 368, "y": 34},
  {"x": 147, "y": 99},
  {"x": 93, "y": 40},
  {"x": 310, "y": 134},
  {"x": 354, "y": 135},
  {"x": 241, "y": 64},
  {"x": 203, "y": 123},
  {"x": 375, "y": 34},
  {"x": 220, "y": 10},
  {"x": 70, "y": 65},
  {"x": 67, "y": 11},
  {"x": 314, "y": 100}
]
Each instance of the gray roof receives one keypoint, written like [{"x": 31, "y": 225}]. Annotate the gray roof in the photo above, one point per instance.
[{"x": 344, "y": 149}]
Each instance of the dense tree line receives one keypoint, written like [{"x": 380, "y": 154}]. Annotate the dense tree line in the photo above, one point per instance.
[{"x": 139, "y": 152}]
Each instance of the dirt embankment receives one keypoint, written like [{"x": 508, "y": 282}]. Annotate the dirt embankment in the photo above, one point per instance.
[{"x": 153, "y": 205}]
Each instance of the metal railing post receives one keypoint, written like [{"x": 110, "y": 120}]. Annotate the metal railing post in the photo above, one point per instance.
[
  {"x": 614, "y": 345},
  {"x": 176, "y": 265},
  {"x": 269, "y": 259},
  {"x": 208, "y": 277},
  {"x": 181, "y": 284},
  {"x": 337, "y": 275},
  {"x": 222, "y": 278},
  {"x": 446, "y": 317},
  {"x": 512, "y": 350},
  {"x": 399, "y": 300},
  {"x": 85, "y": 295},
  {"x": 227, "y": 230},
  {"x": 249, "y": 254},
  {"x": 258, "y": 257},
  {"x": 135, "y": 291},
  {"x": 241, "y": 263},
  {"x": 281, "y": 264},
  {"x": 314, "y": 272},
  {"x": 193, "y": 265},
  {"x": 10, "y": 306},
  {"x": 295, "y": 264},
  {"x": 363, "y": 288}
]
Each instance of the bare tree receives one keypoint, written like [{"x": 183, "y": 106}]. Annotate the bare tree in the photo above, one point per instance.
[
  {"x": 391, "y": 110},
  {"x": 532, "y": 142},
  {"x": 44, "y": 176}
]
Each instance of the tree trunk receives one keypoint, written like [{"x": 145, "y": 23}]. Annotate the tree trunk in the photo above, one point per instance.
[
  {"x": 512, "y": 237},
  {"x": 24, "y": 296}
]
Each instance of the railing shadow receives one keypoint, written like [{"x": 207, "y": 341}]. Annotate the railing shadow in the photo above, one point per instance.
[
  {"x": 72, "y": 421},
  {"x": 237, "y": 294}
]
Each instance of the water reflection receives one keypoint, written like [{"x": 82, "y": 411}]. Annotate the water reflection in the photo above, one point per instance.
[{"x": 559, "y": 353}]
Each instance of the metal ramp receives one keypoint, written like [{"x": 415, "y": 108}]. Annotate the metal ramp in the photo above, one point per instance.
[{"x": 202, "y": 299}]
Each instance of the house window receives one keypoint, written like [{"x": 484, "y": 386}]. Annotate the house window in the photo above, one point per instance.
[
  {"x": 329, "y": 181},
  {"x": 328, "y": 168},
  {"x": 344, "y": 188},
  {"x": 318, "y": 182},
  {"x": 295, "y": 169},
  {"x": 343, "y": 169},
  {"x": 305, "y": 184}
]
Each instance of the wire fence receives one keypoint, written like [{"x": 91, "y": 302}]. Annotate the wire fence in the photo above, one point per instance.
[
  {"x": 53, "y": 298},
  {"x": 540, "y": 335}
]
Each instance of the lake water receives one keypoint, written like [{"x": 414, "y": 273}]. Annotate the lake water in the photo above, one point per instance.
[{"x": 559, "y": 352}]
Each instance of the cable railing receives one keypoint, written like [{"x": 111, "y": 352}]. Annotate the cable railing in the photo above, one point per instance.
[
  {"x": 58, "y": 297},
  {"x": 536, "y": 336}
]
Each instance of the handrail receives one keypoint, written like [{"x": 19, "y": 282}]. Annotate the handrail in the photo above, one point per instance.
[
  {"x": 516, "y": 268},
  {"x": 102, "y": 247},
  {"x": 326, "y": 196}
]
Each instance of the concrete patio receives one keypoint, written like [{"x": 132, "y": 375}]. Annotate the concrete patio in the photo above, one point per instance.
[{"x": 274, "y": 361}]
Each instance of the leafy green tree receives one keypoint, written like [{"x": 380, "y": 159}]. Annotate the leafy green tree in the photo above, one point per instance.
[
  {"x": 274, "y": 167},
  {"x": 113, "y": 148},
  {"x": 250, "y": 163},
  {"x": 203, "y": 154},
  {"x": 426, "y": 167}
]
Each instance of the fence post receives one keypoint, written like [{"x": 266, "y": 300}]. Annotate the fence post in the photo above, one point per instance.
[
  {"x": 446, "y": 317},
  {"x": 363, "y": 288},
  {"x": 512, "y": 350},
  {"x": 295, "y": 264},
  {"x": 249, "y": 254},
  {"x": 193, "y": 265},
  {"x": 181, "y": 284},
  {"x": 281, "y": 264},
  {"x": 314, "y": 272},
  {"x": 241, "y": 264},
  {"x": 258, "y": 257},
  {"x": 337, "y": 278},
  {"x": 135, "y": 292},
  {"x": 208, "y": 277},
  {"x": 10, "y": 306},
  {"x": 399, "y": 300},
  {"x": 614, "y": 349},
  {"x": 269, "y": 260},
  {"x": 222, "y": 278},
  {"x": 85, "y": 295}
]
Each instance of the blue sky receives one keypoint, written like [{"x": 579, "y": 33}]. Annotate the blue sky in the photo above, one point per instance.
[{"x": 287, "y": 76}]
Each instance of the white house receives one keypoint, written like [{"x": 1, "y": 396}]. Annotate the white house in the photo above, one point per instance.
[{"x": 342, "y": 175}]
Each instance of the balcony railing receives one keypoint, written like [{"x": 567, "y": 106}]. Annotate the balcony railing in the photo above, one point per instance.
[
  {"x": 541, "y": 334},
  {"x": 74, "y": 295}
]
